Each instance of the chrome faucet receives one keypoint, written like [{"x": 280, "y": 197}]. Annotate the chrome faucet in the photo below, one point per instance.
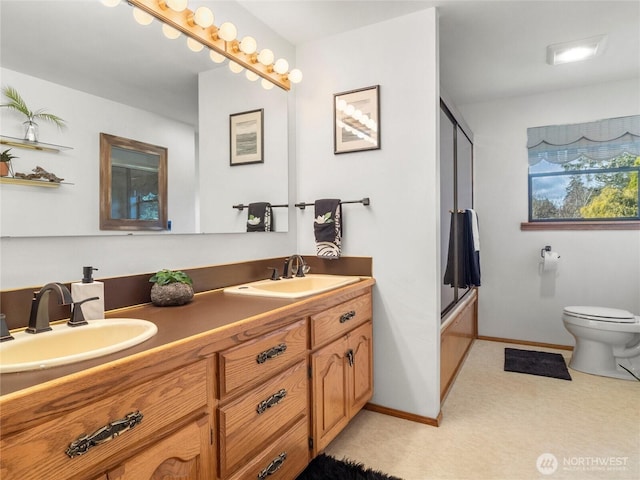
[
  {"x": 39, "y": 318},
  {"x": 288, "y": 266}
]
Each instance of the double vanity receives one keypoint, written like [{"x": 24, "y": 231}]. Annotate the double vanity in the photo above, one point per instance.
[{"x": 234, "y": 385}]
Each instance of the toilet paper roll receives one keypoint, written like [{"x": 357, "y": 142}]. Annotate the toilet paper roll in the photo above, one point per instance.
[{"x": 550, "y": 261}]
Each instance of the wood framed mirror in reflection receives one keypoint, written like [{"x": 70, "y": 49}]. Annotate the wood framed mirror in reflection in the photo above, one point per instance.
[{"x": 133, "y": 184}]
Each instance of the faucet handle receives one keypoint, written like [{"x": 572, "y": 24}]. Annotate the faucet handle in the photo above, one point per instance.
[
  {"x": 77, "y": 317},
  {"x": 4, "y": 329},
  {"x": 274, "y": 274}
]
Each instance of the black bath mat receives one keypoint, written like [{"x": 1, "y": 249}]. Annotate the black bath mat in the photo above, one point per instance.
[
  {"x": 544, "y": 364},
  {"x": 324, "y": 467}
]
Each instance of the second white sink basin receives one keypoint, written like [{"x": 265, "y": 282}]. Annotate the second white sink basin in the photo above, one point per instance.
[
  {"x": 64, "y": 345},
  {"x": 295, "y": 287}
]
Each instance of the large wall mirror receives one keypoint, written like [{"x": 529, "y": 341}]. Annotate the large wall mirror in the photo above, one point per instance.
[
  {"x": 133, "y": 184},
  {"x": 132, "y": 82}
]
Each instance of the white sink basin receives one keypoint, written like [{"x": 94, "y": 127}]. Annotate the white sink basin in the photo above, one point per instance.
[
  {"x": 64, "y": 344},
  {"x": 295, "y": 287}
]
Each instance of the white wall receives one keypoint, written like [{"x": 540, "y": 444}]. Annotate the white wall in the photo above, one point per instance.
[
  {"x": 596, "y": 267},
  {"x": 221, "y": 94},
  {"x": 399, "y": 230},
  {"x": 73, "y": 209}
]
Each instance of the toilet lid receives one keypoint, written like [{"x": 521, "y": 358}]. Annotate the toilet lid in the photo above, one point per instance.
[{"x": 602, "y": 314}]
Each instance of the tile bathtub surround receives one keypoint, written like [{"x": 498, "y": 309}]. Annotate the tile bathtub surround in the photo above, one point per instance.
[
  {"x": 135, "y": 289},
  {"x": 497, "y": 424}
]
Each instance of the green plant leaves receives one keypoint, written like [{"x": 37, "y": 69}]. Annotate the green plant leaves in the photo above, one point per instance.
[{"x": 165, "y": 277}]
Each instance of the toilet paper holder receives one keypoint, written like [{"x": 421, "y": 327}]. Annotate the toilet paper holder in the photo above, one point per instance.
[{"x": 547, "y": 248}]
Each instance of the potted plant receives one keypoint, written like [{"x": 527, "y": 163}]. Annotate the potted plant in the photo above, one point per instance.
[
  {"x": 171, "y": 287},
  {"x": 17, "y": 103},
  {"x": 5, "y": 163}
]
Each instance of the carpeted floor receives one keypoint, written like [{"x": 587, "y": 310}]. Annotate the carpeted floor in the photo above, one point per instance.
[{"x": 499, "y": 425}]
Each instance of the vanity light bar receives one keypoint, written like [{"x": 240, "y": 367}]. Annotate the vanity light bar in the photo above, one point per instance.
[{"x": 183, "y": 21}]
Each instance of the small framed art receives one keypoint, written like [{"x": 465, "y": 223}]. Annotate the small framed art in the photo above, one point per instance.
[
  {"x": 246, "y": 136},
  {"x": 356, "y": 120}
]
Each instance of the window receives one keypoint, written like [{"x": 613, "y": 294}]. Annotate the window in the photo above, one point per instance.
[{"x": 585, "y": 172}]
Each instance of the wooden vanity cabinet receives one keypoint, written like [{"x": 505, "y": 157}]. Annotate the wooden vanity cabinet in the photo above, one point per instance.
[
  {"x": 83, "y": 442},
  {"x": 257, "y": 400},
  {"x": 341, "y": 366},
  {"x": 263, "y": 407}
]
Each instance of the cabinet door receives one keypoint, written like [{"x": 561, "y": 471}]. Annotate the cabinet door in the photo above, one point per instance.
[
  {"x": 360, "y": 364},
  {"x": 184, "y": 455},
  {"x": 330, "y": 411}
]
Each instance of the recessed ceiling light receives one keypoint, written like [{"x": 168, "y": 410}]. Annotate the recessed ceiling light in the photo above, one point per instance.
[{"x": 575, "y": 51}]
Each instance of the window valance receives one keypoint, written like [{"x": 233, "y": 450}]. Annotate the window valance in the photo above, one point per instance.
[{"x": 600, "y": 140}]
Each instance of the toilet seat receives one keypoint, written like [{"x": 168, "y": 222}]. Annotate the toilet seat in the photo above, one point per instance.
[{"x": 600, "y": 314}]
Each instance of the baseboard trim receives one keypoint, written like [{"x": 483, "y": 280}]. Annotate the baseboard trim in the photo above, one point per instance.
[
  {"x": 392, "y": 412},
  {"x": 525, "y": 342}
]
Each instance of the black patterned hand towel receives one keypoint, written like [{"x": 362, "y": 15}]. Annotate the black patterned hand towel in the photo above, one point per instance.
[
  {"x": 327, "y": 227},
  {"x": 259, "y": 217}
]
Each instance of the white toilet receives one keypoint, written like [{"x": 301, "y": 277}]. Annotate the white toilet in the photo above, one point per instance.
[{"x": 605, "y": 339}]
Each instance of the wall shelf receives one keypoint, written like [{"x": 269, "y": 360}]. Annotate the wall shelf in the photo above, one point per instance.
[
  {"x": 22, "y": 143},
  {"x": 32, "y": 183}
]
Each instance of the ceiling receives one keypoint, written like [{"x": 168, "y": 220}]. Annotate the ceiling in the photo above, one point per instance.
[{"x": 488, "y": 49}]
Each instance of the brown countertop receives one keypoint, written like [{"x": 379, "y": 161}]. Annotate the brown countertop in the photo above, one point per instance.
[{"x": 209, "y": 313}]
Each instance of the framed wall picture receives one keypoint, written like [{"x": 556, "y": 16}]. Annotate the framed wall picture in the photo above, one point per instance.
[
  {"x": 356, "y": 120},
  {"x": 246, "y": 134}
]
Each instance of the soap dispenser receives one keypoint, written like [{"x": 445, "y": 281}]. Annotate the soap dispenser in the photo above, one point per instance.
[{"x": 86, "y": 289}]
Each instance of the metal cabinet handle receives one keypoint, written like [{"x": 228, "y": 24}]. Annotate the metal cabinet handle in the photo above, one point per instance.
[
  {"x": 350, "y": 357},
  {"x": 271, "y": 353},
  {"x": 347, "y": 316},
  {"x": 272, "y": 401},
  {"x": 273, "y": 467},
  {"x": 104, "y": 434}
]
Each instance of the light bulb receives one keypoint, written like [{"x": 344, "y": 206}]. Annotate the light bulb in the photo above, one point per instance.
[
  {"x": 111, "y": 3},
  {"x": 194, "y": 45},
  {"x": 341, "y": 105},
  {"x": 251, "y": 76},
  {"x": 295, "y": 76},
  {"x": 216, "y": 57},
  {"x": 170, "y": 32},
  {"x": 228, "y": 32},
  {"x": 235, "y": 67},
  {"x": 266, "y": 84},
  {"x": 248, "y": 45},
  {"x": 142, "y": 17},
  {"x": 203, "y": 17},
  {"x": 265, "y": 57},
  {"x": 281, "y": 66},
  {"x": 177, "y": 5}
]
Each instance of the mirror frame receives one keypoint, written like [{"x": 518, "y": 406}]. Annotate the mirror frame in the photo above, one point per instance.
[{"x": 107, "y": 142}]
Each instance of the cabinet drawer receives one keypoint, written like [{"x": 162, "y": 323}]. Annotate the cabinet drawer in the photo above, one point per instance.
[
  {"x": 287, "y": 457},
  {"x": 250, "y": 423},
  {"x": 258, "y": 359},
  {"x": 338, "y": 320},
  {"x": 162, "y": 402}
]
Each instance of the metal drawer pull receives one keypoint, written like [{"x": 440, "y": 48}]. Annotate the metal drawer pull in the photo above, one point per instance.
[
  {"x": 103, "y": 434},
  {"x": 271, "y": 353},
  {"x": 273, "y": 467},
  {"x": 347, "y": 316},
  {"x": 272, "y": 401}
]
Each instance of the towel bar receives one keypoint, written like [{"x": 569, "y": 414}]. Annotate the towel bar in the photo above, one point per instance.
[
  {"x": 240, "y": 206},
  {"x": 365, "y": 201}
]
